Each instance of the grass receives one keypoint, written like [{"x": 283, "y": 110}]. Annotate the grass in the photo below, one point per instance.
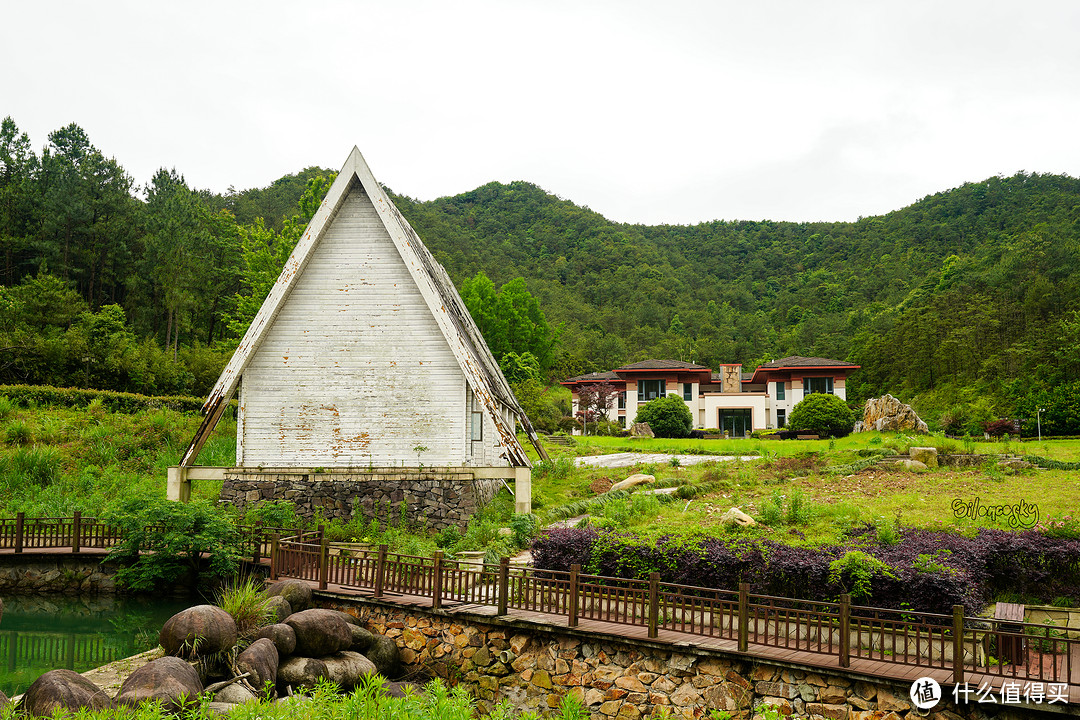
[
  {"x": 54, "y": 461},
  {"x": 794, "y": 496}
]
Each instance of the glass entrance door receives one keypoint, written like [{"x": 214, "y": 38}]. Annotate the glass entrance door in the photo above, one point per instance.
[{"x": 736, "y": 422}]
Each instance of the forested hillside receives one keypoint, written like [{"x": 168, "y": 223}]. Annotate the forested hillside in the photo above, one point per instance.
[{"x": 966, "y": 301}]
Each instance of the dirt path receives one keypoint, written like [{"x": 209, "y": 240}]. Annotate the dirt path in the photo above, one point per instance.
[{"x": 627, "y": 459}]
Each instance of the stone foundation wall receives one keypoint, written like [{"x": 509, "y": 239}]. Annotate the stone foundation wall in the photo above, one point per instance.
[
  {"x": 434, "y": 498},
  {"x": 533, "y": 667},
  {"x": 30, "y": 574}
]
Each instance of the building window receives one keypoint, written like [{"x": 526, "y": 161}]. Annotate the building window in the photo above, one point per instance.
[
  {"x": 780, "y": 390},
  {"x": 622, "y": 400},
  {"x": 477, "y": 419},
  {"x": 781, "y": 418},
  {"x": 651, "y": 389},
  {"x": 687, "y": 392},
  {"x": 817, "y": 385}
]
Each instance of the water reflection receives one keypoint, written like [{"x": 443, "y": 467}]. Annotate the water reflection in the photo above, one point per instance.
[{"x": 41, "y": 633}]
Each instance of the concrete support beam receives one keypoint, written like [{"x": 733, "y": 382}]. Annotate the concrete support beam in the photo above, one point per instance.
[
  {"x": 179, "y": 484},
  {"x": 522, "y": 490}
]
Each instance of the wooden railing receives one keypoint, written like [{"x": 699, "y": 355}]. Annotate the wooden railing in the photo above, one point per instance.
[
  {"x": 971, "y": 649},
  {"x": 78, "y": 533}
]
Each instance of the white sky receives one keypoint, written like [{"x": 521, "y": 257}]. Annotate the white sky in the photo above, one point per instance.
[{"x": 678, "y": 111}]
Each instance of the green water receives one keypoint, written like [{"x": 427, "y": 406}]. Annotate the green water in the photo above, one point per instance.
[{"x": 41, "y": 633}]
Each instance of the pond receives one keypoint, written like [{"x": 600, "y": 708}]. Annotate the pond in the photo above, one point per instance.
[{"x": 41, "y": 633}]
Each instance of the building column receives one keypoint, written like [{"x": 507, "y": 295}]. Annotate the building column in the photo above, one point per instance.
[
  {"x": 178, "y": 487},
  {"x": 522, "y": 490}
]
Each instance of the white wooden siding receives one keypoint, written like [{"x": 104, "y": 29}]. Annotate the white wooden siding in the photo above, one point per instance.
[{"x": 354, "y": 370}]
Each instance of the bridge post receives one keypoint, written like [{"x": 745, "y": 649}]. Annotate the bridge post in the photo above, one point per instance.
[
  {"x": 380, "y": 571},
  {"x": 744, "y": 616},
  {"x": 504, "y": 585},
  {"x": 20, "y": 522},
  {"x": 324, "y": 559},
  {"x": 256, "y": 538},
  {"x": 654, "y": 604},
  {"x": 845, "y": 630},
  {"x": 573, "y": 595},
  {"x": 274, "y": 556},
  {"x": 76, "y": 531},
  {"x": 436, "y": 580},
  {"x": 958, "y": 643}
]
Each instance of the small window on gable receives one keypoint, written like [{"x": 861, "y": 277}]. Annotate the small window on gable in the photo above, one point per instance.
[{"x": 476, "y": 416}]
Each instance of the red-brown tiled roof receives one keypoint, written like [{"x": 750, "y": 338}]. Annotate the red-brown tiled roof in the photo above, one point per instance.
[{"x": 661, "y": 365}]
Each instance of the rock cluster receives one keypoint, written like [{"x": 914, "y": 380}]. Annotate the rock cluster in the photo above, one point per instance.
[
  {"x": 67, "y": 576},
  {"x": 308, "y": 646},
  {"x": 887, "y": 414}
]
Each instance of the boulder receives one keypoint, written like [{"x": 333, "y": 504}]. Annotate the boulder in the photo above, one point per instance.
[
  {"x": 641, "y": 429},
  {"x": 735, "y": 516},
  {"x": 319, "y": 632},
  {"x": 400, "y": 689},
  {"x": 283, "y": 637},
  {"x": 296, "y": 592},
  {"x": 64, "y": 689},
  {"x": 385, "y": 654},
  {"x": 361, "y": 638},
  {"x": 198, "y": 632},
  {"x": 278, "y": 608},
  {"x": 260, "y": 659},
  {"x": 636, "y": 479},
  {"x": 302, "y": 672},
  {"x": 910, "y": 464},
  {"x": 234, "y": 694},
  {"x": 169, "y": 679},
  {"x": 928, "y": 456},
  {"x": 346, "y": 668},
  {"x": 887, "y": 414}
]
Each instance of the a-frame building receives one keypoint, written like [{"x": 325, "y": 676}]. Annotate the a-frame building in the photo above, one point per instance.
[{"x": 361, "y": 365}]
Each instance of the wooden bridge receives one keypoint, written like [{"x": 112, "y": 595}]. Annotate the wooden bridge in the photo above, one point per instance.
[{"x": 877, "y": 642}]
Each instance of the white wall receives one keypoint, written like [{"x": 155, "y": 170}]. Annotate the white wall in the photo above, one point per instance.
[{"x": 354, "y": 369}]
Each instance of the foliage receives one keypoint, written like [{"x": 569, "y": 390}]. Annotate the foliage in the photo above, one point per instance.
[
  {"x": 668, "y": 417},
  {"x": 245, "y": 600},
  {"x": 273, "y": 513},
  {"x": 822, "y": 413},
  {"x": 107, "y": 399},
  {"x": 511, "y": 321},
  {"x": 193, "y": 538},
  {"x": 594, "y": 402},
  {"x": 855, "y": 572}
]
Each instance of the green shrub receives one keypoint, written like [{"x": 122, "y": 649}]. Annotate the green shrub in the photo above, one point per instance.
[
  {"x": 245, "y": 601},
  {"x": 6, "y": 406},
  {"x": 122, "y": 402},
  {"x": 823, "y": 414},
  {"x": 186, "y": 538},
  {"x": 667, "y": 416},
  {"x": 39, "y": 466},
  {"x": 273, "y": 513},
  {"x": 855, "y": 572}
]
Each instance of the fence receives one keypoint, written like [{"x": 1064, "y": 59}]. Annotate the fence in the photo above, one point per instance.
[
  {"x": 965, "y": 649},
  {"x": 78, "y": 533}
]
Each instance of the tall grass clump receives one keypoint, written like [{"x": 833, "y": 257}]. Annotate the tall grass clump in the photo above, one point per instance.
[
  {"x": 39, "y": 466},
  {"x": 17, "y": 433},
  {"x": 6, "y": 406},
  {"x": 245, "y": 601}
]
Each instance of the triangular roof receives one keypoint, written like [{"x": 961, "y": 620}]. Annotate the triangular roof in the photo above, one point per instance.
[{"x": 443, "y": 300}]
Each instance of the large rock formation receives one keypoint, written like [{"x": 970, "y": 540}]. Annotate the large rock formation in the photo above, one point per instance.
[
  {"x": 887, "y": 414},
  {"x": 199, "y": 631},
  {"x": 319, "y": 632},
  {"x": 169, "y": 679},
  {"x": 64, "y": 689}
]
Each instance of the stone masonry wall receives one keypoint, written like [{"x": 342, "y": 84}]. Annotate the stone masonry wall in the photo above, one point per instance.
[
  {"x": 533, "y": 667},
  {"x": 434, "y": 499},
  {"x": 31, "y": 574}
]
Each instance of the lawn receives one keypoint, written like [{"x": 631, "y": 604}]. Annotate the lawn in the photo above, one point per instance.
[{"x": 794, "y": 495}]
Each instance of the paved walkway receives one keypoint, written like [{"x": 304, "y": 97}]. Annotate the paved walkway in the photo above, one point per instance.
[{"x": 627, "y": 459}]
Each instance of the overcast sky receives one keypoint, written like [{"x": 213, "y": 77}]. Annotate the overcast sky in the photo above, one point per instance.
[{"x": 675, "y": 111}]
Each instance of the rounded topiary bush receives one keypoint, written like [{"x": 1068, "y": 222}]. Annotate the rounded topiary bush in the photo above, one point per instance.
[
  {"x": 823, "y": 414},
  {"x": 667, "y": 416}
]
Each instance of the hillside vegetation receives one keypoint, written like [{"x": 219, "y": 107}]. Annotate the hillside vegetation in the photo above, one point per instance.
[{"x": 965, "y": 302}]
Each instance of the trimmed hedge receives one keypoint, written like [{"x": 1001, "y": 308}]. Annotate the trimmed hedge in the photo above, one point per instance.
[
  {"x": 928, "y": 571},
  {"x": 117, "y": 402}
]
